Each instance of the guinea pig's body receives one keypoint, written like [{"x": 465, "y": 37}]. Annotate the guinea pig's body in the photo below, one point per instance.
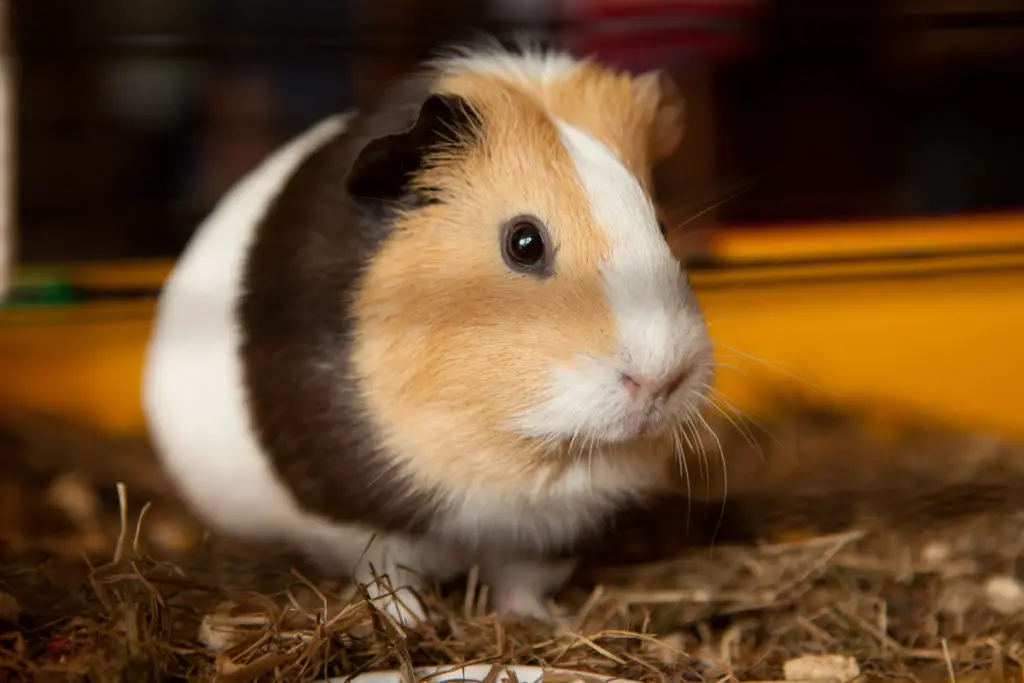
[{"x": 442, "y": 332}]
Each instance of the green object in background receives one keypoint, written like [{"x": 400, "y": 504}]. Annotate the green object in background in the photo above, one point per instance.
[{"x": 39, "y": 290}]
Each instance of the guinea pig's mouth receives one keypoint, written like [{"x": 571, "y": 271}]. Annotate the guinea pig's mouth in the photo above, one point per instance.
[{"x": 649, "y": 423}]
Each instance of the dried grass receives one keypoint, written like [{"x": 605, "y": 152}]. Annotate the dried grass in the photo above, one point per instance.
[{"x": 896, "y": 549}]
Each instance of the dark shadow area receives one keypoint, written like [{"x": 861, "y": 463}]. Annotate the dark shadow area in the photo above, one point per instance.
[{"x": 135, "y": 117}]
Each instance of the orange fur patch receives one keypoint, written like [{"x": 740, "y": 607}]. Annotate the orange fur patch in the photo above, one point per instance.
[
  {"x": 640, "y": 118},
  {"x": 604, "y": 103}
]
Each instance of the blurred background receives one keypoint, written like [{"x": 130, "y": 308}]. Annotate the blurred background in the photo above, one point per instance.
[
  {"x": 134, "y": 115},
  {"x": 849, "y": 191}
]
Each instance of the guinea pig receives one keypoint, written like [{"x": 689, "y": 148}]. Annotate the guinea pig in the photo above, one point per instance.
[{"x": 441, "y": 332}]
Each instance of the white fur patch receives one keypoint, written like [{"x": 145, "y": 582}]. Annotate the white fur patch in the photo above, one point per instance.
[
  {"x": 555, "y": 512},
  {"x": 532, "y": 66},
  {"x": 661, "y": 330},
  {"x": 196, "y": 407},
  {"x": 193, "y": 392}
]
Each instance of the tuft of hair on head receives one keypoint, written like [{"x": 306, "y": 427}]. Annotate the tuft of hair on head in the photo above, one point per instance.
[
  {"x": 645, "y": 110},
  {"x": 520, "y": 60}
]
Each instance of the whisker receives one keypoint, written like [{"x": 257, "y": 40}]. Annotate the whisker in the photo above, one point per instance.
[
  {"x": 738, "y": 189},
  {"x": 771, "y": 365},
  {"x": 725, "y": 474},
  {"x": 709, "y": 323},
  {"x": 590, "y": 463},
  {"x": 730, "y": 366},
  {"x": 681, "y": 433},
  {"x": 592, "y": 441},
  {"x": 720, "y": 397},
  {"x": 684, "y": 471},
  {"x": 572, "y": 441},
  {"x": 690, "y": 439},
  {"x": 686, "y": 437},
  {"x": 542, "y": 445},
  {"x": 705, "y": 463},
  {"x": 742, "y": 429},
  {"x": 705, "y": 211}
]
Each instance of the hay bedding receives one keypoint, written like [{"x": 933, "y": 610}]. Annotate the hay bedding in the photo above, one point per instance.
[{"x": 847, "y": 548}]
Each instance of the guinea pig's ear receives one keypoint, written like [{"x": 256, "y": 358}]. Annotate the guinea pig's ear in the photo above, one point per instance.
[
  {"x": 384, "y": 166},
  {"x": 658, "y": 92}
]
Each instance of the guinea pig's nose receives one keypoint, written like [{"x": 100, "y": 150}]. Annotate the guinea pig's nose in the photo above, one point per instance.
[{"x": 659, "y": 389}]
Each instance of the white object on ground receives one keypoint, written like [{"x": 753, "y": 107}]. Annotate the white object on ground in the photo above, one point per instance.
[
  {"x": 821, "y": 668},
  {"x": 478, "y": 672},
  {"x": 1004, "y": 595}
]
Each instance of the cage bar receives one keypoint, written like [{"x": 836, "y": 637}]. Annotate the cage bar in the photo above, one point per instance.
[{"x": 7, "y": 160}]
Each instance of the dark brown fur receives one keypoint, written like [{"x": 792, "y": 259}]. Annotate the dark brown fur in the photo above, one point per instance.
[{"x": 301, "y": 273}]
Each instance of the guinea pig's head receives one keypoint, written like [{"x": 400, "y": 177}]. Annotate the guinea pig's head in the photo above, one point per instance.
[{"x": 524, "y": 294}]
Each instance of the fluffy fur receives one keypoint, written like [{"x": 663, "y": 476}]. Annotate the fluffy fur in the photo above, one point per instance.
[{"x": 343, "y": 359}]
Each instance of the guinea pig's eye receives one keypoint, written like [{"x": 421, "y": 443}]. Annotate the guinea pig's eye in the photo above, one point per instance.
[
  {"x": 661, "y": 226},
  {"x": 524, "y": 245}
]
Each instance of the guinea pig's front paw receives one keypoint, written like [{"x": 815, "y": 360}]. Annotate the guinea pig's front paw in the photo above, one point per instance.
[
  {"x": 390, "y": 572},
  {"x": 522, "y": 605},
  {"x": 519, "y": 588},
  {"x": 403, "y": 606}
]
